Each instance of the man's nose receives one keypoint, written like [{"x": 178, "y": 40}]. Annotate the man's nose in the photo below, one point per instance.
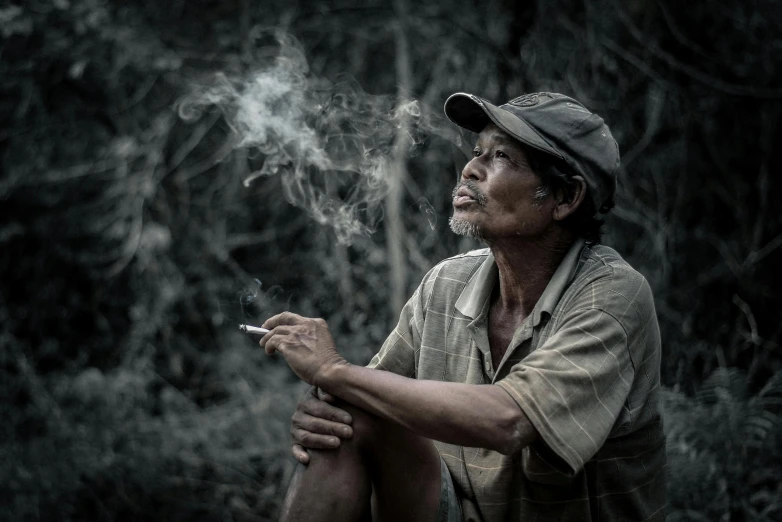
[{"x": 472, "y": 170}]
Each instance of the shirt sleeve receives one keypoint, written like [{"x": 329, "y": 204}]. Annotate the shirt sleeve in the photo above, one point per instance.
[{"x": 573, "y": 387}]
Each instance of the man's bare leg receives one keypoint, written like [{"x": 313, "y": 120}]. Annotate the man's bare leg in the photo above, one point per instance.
[
  {"x": 334, "y": 486},
  {"x": 398, "y": 470}
]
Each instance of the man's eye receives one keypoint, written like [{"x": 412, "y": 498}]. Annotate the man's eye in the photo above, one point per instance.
[
  {"x": 476, "y": 153},
  {"x": 500, "y": 154}
]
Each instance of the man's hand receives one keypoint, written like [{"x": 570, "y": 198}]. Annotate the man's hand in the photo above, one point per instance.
[
  {"x": 316, "y": 424},
  {"x": 305, "y": 343}
]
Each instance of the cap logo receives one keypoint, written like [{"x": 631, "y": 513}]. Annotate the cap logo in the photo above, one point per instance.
[{"x": 526, "y": 100}]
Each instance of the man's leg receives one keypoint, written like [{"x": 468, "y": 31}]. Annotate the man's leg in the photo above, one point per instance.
[{"x": 398, "y": 470}]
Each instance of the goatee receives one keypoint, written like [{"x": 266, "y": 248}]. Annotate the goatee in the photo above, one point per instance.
[{"x": 463, "y": 227}]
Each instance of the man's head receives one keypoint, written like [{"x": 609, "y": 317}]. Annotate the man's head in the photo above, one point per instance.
[{"x": 569, "y": 148}]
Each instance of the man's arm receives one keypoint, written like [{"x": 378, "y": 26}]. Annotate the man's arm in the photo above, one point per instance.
[
  {"x": 481, "y": 416},
  {"x": 468, "y": 415}
]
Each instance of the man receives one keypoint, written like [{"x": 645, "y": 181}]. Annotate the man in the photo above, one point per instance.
[{"x": 522, "y": 381}]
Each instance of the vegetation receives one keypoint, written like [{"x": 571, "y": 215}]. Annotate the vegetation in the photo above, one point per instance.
[{"x": 130, "y": 246}]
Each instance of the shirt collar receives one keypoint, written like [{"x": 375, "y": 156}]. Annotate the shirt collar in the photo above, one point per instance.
[{"x": 478, "y": 289}]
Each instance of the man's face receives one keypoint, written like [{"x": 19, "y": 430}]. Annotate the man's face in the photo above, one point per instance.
[{"x": 498, "y": 194}]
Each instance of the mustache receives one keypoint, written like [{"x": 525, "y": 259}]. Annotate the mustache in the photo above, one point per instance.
[{"x": 480, "y": 198}]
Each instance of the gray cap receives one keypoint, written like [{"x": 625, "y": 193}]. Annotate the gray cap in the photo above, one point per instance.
[{"x": 552, "y": 123}]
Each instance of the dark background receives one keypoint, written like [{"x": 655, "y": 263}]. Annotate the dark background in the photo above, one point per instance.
[{"x": 130, "y": 248}]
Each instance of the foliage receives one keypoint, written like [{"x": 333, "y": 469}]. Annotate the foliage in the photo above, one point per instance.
[
  {"x": 723, "y": 450},
  {"x": 130, "y": 248}
]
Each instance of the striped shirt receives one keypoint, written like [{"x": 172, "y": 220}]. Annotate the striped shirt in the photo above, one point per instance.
[{"x": 585, "y": 369}]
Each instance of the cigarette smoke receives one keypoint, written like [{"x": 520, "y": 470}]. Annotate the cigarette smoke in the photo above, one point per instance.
[
  {"x": 255, "y": 303},
  {"x": 426, "y": 208},
  {"x": 331, "y": 143}
]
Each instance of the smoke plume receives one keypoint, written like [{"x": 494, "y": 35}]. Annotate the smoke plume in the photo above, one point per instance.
[{"x": 330, "y": 142}]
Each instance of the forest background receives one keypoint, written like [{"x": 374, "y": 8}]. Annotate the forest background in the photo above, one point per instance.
[{"x": 131, "y": 246}]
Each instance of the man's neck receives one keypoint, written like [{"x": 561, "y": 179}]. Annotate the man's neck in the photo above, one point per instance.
[{"x": 525, "y": 268}]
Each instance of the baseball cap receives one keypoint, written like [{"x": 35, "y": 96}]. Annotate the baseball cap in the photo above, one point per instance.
[{"x": 552, "y": 123}]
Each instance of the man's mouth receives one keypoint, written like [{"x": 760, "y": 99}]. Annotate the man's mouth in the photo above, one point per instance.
[
  {"x": 463, "y": 196},
  {"x": 460, "y": 201}
]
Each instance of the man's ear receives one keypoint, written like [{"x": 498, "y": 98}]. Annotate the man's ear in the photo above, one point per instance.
[{"x": 564, "y": 208}]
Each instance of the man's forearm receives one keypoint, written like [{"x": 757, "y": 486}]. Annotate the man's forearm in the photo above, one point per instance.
[{"x": 472, "y": 415}]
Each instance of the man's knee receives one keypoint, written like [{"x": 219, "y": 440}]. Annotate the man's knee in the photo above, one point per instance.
[
  {"x": 385, "y": 443},
  {"x": 367, "y": 427}
]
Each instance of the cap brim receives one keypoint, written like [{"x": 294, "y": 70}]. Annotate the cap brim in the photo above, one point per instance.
[{"x": 474, "y": 113}]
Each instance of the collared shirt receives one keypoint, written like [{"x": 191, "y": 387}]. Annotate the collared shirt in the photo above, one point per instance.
[{"x": 585, "y": 369}]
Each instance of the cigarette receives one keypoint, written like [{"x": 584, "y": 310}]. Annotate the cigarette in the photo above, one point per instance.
[{"x": 253, "y": 330}]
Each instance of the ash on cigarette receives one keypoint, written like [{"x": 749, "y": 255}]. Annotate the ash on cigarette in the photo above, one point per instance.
[{"x": 331, "y": 142}]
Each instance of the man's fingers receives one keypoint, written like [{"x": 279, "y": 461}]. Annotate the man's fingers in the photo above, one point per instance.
[
  {"x": 320, "y": 426},
  {"x": 300, "y": 454},
  {"x": 272, "y": 345},
  {"x": 276, "y": 342},
  {"x": 282, "y": 319},
  {"x": 275, "y": 333},
  {"x": 324, "y": 410},
  {"x": 327, "y": 397},
  {"x": 312, "y": 440}
]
